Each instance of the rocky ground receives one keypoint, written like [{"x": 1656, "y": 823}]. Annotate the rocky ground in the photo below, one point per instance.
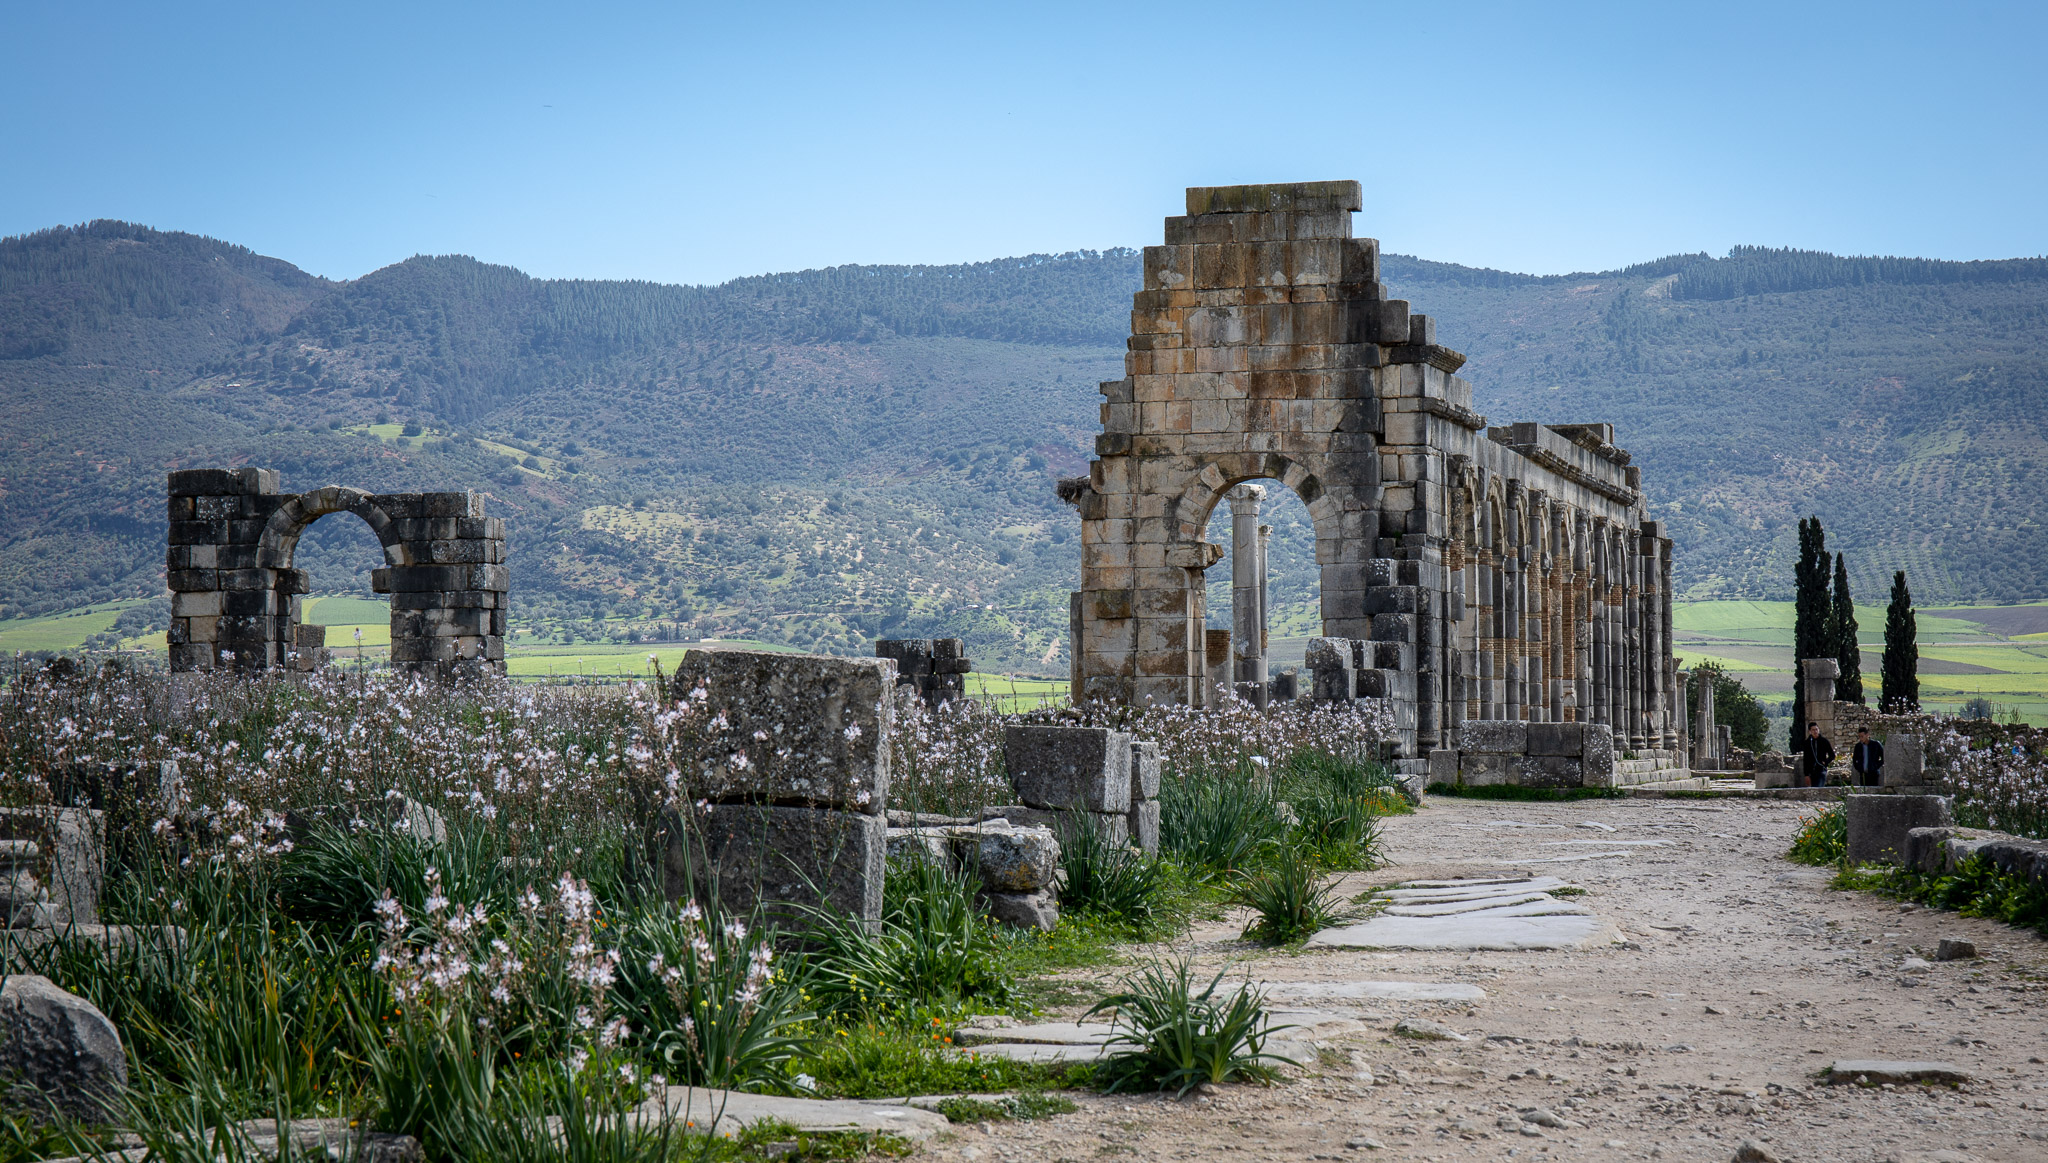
[{"x": 1739, "y": 978}]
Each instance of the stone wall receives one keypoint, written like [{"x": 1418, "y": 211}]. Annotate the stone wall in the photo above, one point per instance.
[
  {"x": 1510, "y": 569},
  {"x": 235, "y": 597},
  {"x": 1548, "y": 755},
  {"x": 935, "y": 668}
]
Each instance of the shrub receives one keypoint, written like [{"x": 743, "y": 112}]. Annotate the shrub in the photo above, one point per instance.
[
  {"x": 878, "y": 1060},
  {"x": 1175, "y": 1038},
  {"x": 1114, "y": 881},
  {"x": 1216, "y": 822},
  {"x": 1286, "y": 897},
  {"x": 933, "y": 949},
  {"x": 1823, "y": 837}
]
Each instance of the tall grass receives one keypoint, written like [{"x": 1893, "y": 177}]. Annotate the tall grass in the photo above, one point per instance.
[
  {"x": 933, "y": 950},
  {"x": 1170, "y": 1035},
  {"x": 1110, "y": 879}
]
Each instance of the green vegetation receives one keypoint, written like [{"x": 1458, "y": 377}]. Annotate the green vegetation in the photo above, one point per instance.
[
  {"x": 1901, "y": 690},
  {"x": 1978, "y": 889},
  {"x": 1748, "y": 723},
  {"x": 1172, "y": 1036},
  {"x": 1823, "y": 837}
]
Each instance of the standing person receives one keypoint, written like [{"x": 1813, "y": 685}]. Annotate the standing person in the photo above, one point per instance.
[
  {"x": 1815, "y": 754},
  {"x": 1867, "y": 759}
]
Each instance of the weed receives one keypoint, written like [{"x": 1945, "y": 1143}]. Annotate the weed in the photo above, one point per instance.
[
  {"x": 1823, "y": 837},
  {"x": 1288, "y": 899},
  {"x": 932, "y": 949},
  {"x": 1021, "y": 1107},
  {"x": 1216, "y": 822},
  {"x": 1110, "y": 879},
  {"x": 1173, "y": 1037},
  {"x": 876, "y": 1060}
]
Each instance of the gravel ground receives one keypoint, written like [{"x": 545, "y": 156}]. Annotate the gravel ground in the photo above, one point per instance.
[{"x": 1741, "y": 978}]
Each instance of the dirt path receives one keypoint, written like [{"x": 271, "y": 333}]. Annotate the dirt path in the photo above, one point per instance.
[{"x": 1741, "y": 977}]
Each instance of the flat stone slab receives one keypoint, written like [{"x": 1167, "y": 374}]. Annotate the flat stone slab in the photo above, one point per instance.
[
  {"x": 1042, "y": 1033},
  {"x": 1505, "y": 914},
  {"x": 731, "y": 1110},
  {"x": 1882, "y": 1070},
  {"x": 1038, "y": 1051},
  {"x": 1372, "y": 991}
]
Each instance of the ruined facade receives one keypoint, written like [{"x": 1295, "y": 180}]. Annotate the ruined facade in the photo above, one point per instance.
[
  {"x": 235, "y": 597},
  {"x": 1500, "y": 573}
]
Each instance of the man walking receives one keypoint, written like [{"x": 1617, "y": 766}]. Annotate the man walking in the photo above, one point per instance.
[
  {"x": 1867, "y": 759},
  {"x": 1816, "y": 754}
]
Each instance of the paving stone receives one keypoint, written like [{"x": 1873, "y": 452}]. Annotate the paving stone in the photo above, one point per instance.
[
  {"x": 1427, "y": 1030},
  {"x": 1877, "y": 1070},
  {"x": 1371, "y": 991},
  {"x": 724, "y": 1111}
]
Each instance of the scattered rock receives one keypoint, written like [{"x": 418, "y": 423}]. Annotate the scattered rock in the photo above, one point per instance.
[
  {"x": 58, "y": 1051},
  {"x": 1364, "y": 1144},
  {"x": 1023, "y": 910},
  {"x": 1427, "y": 1030},
  {"x": 1716, "y": 1010},
  {"x": 1953, "y": 950},
  {"x": 1544, "y": 1118},
  {"x": 1915, "y": 965},
  {"x": 1752, "y": 1151}
]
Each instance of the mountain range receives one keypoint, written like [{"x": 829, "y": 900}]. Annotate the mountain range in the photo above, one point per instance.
[{"x": 826, "y": 456}]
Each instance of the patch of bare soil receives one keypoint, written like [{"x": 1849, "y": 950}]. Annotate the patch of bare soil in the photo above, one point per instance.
[{"x": 1741, "y": 977}]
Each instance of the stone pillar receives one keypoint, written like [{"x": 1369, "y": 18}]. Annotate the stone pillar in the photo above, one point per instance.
[
  {"x": 1247, "y": 611},
  {"x": 1674, "y": 717},
  {"x": 1705, "y": 753},
  {"x": 1817, "y": 689}
]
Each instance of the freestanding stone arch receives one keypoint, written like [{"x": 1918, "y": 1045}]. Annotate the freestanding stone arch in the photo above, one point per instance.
[
  {"x": 235, "y": 594},
  {"x": 1498, "y": 573}
]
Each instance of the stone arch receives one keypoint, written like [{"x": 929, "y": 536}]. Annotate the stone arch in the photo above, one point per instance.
[
  {"x": 237, "y": 598},
  {"x": 281, "y": 533}
]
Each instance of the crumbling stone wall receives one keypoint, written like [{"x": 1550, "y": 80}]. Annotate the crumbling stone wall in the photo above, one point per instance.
[
  {"x": 1500, "y": 572},
  {"x": 235, "y": 597},
  {"x": 936, "y": 668}
]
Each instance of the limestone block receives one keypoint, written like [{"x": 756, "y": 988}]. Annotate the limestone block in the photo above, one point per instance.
[
  {"x": 1145, "y": 763},
  {"x": 1015, "y": 859},
  {"x": 1878, "y": 824},
  {"x": 1334, "y": 685},
  {"x": 1034, "y": 910},
  {"x": 1481, "y": 770},
  {"x": 63, "y": 852},
  {"x": 1070, "y": 767},
  {"x": 1941, "y": 851},
  {"x": 1386, "y": 684},
  {"x": 1557, "y": 739},
  {"x": 823, "y": 724},
  {"x": 1597, "y": 755},
  {"x": 2026, "y": 859},
  {"x": 1065, "y": 825},
  {"x": 1327, "y": 654},
  {"x": 928, "y": 846},
  {"x": 776, "y": 858},
  {"x": 57, "y": 1050},
  {"x": 1905, "y": 760},
  {"x": 1547, "y": 771},
  {"x": 1493, "y": 736},
  {"x": 1443, "y": 766},
  {"x": 1142, "y": 824}
]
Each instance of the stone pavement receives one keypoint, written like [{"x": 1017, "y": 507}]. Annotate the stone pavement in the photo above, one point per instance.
[{"x": 1740, "y": 980}]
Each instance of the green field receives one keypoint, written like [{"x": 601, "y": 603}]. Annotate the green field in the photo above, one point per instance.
[{"x": 1996, "y": 652}]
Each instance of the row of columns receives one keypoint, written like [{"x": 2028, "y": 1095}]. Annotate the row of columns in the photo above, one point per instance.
[{"x": 1565, "y": 619}]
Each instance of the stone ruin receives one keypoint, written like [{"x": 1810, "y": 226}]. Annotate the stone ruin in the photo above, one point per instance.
[
  {"x": 936, "y": 669},
  {"x": 1499, "y": 573},
  {"x": 235, "y": 597}
]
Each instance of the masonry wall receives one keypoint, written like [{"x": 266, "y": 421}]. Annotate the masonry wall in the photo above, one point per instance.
[{"x": 1500, "y": 572}]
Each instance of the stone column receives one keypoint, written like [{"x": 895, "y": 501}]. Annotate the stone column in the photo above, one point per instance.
[
  {"x": 1247, "y": 638},
  {"x": 1265, "y": 592},
  {"x": 1704, "y": 752}
]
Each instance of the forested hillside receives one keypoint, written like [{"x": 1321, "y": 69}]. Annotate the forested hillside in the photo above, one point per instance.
[{"x": 822, "y": 456}]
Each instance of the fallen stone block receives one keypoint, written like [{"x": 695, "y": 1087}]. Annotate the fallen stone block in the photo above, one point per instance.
[
  {"x": 1875, "y": 1071},
  {"x": 920, "y": 846},
  {"x": 59, "y": 1054},
  {"x": 1023, "y": 910},
  {"x": 1951, "y": 949},
  {"x": 1878, "y": 824},
  {"x": 777, "y": 858},
  {"x": 1088, "y": 768},
  {"x": 823, "y": 725},
  {"x": 1015, "y": 859}
]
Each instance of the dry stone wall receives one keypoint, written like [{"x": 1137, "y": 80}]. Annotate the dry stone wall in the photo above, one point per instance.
[{"x": 1499, "y": 572}]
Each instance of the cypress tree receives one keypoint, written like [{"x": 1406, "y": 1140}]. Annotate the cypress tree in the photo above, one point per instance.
[
  {"x": 1901, "y": 691},
  {"x": 1842, "y": 628},
  {"x": 1809, "y": 613}
]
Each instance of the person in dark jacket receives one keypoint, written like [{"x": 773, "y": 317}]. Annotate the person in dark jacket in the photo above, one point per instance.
[
  {"x": 1867, "y": 759},
  {"x": 1816, "y": 753}
]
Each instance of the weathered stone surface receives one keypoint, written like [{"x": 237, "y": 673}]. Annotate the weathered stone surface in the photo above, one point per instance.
[
  {"x": 1427, "y": 1030},
  {"x": 1597, "y": 756},
  {"x": 1017, "y": 859},
  {"x": 1145, "y": 763},
  {"x": 1443, "y": 766},
  {"x": 1552, "y": 771},
  {"x": 58, "y": 1052},
  {"x": 1878, "y": 824},
  {"x": 1087, "y": 768},
  {"x": 1941, "y": 851},
  {"x": 1493, "y": 737},
  {"x": 1952, "y": 949},
  {"x": 696, "y": 1110},
  {"x": 920, "y": 846},
  {"x": 777, "y": 858},
  {"x": 783, "y": 728},
  {"x": 1560, "y": 739},
  {"x": 1023, "y": 910},
  {"x": 1905, "y": 760},
  {"x": 53, "y": 861},
  {"x": 1143, "y": 825}
]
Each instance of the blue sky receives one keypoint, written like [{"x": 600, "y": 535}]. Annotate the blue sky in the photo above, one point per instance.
[{"x": 695, "y": 143}]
